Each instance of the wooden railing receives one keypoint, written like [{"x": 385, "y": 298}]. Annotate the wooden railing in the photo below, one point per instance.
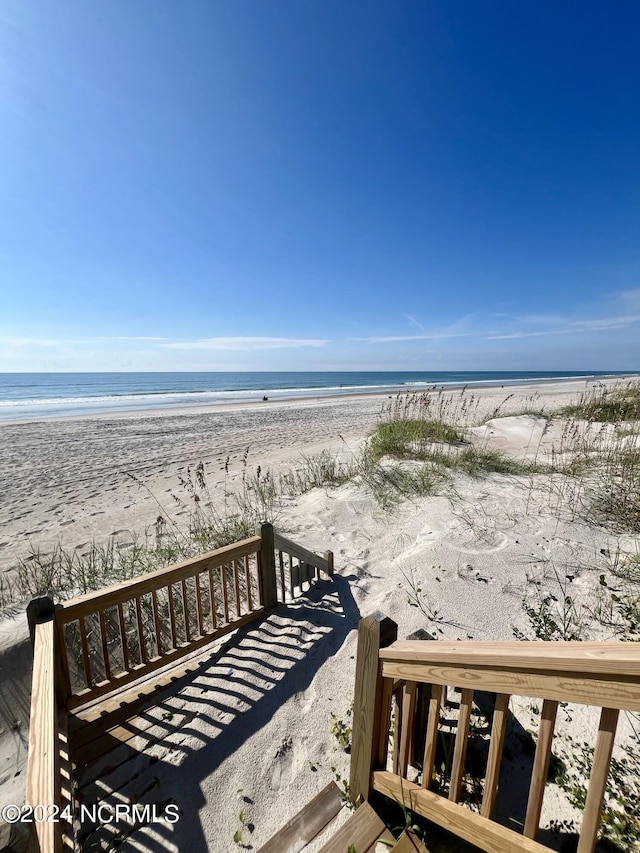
[
  {"x": 410, "y": 679},
  {"x": 296, "y": 566},
  {"x": 98, "y": 643},
  {"x": 112, "y": 637}
]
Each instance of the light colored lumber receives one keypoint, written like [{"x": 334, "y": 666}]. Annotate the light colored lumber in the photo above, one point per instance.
[
  {"x": 247, "y": 577},
  {"x": 130, "y": 589},
  {"x": 267, "y": 566},
  {"x": 369, "y": 715},
  {"x": 431, "y": 737},
  {"x": 225, "y": 593},
  {"x": 122, "y": 705},
  {"x": 65, "y": 777},
  {"x": 139, "y": 670},
  {"x": 381, "y": 748},
  {"x": 156, "y": 621},
  {"x": 283, "y": 587},
  {"x": 123, "y": 638},
  {"x": 212, "y": 597},
  {"x": 386, "y": 839},
  {"x": 172, "y": 616},
  {"x": 486, "y": 834},
  {"x": 328, "y": 555},
  {"x": 236, "y": 585},
  {"x": 85, "y": 653},
  {"x": 199, "y": 607},
  {"x": 308, "y": 823},
  {"x": 105, "y": 648},
  {"x": 43, "y": 783},
  {"x": 142, "y": 646},
  {"x": 610, "y": 659},
  {"x": 563, "y": 687},
  {"x": 61, "y": 649},
  {"x": 281, "y": 543},
  {"x": 496, "y": 744},
  {"x": 185, "y": 609},
  {"x": 361, "y": 831},
  {"x": 409, "y": 843},
  {"x": 540, "y": 767},
  {"x": 406, "y": 726},
  {"x": 598, "y": 780},
  {"x": 460, "y": 748},
  {"x": 397, "y": 705}
]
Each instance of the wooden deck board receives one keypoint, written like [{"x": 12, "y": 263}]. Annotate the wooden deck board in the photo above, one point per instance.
[
  {"x": 308, "y": 823},
  {"x": 361, "y": 831}
]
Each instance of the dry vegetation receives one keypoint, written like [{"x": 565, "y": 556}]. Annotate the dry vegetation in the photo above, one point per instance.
[{"x": 585, "y": 459}]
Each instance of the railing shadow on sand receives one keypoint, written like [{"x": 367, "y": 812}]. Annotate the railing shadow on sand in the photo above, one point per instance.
[
  {"x": 128, "y": 689},
  {"x": 203, "y": 718}
]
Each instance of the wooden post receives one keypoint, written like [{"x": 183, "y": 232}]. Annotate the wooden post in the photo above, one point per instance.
[
  {"x": 328, "y": 555},
  {"x": 39, "y": 609},
  {"x": 267, "y": 556},
  {"x": 369, "y": 715}
]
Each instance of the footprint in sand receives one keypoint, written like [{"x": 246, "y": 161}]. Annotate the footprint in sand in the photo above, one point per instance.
[
  {"x": 283, "y": 767},
  {"x": 307, "y": 698}
]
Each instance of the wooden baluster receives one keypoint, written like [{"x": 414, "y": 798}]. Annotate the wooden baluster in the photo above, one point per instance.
[
  {"x": 236, "y": 584},
  {"x": 212, "y": 595},
  {"x": 199, "y": 607},
  {"x": 598, "y": 780},
  {"x": 225, "y": 595},
  {"x": 172, "y": 617},
  {"x": 498, "y": 729},
  {"x": 105, "y": 648},
  {"x": 406, "y": 729},
  {"x": 283, "y": 587},
  {"x": 540, "y": 767},
  {"x": 380, "y": 754},
  {"x": 156, "y": 622},
  {"x": 85, "y": 652},
  {"x": 185, "y": 609},
  {"x": 295, "y": 575},
  {"x": 398, "y": 697},
  {"x": 460, "y": 749},
  {"x": 64, "y": 657},
  {"x": 143, "y": 648},
  {"x": 123, "y": 639},
  {"x": 431, "y": 737},
  {"x": 247, "y": 575}
]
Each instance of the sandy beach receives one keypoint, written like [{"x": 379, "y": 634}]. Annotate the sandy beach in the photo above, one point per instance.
[{"x": 258, "y": 739}]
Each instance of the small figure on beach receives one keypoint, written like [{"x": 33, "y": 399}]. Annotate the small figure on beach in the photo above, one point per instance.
[{"x": 264, "y": 398}]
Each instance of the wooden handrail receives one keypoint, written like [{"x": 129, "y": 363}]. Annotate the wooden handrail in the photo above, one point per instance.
[
  {"x": 43, "y": 768},
  {"x": 610, "y": 659},
  {"x": 601, "y": 674},
  {"x": 606, "y": 675},
  {"x": 281, "y": 543},
  {"x": 118, "y": 593}
]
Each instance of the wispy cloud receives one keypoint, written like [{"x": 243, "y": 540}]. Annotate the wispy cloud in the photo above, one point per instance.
[
  {"x": 246, "y": 344},
  {"x": 569, "y": 327},
  {"x": 132, "y": 338},
  {"x": 52, "y": 342},
  {"x": 530, "y": 334},
  {"x": 415, "y": 323},
  {"x": 385, "y": 339}
]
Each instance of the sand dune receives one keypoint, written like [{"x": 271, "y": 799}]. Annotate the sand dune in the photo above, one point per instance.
[{"x": 255, "y": 718}]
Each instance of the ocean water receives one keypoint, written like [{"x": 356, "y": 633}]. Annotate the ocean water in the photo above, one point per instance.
[{"x": 28, "y": 396}]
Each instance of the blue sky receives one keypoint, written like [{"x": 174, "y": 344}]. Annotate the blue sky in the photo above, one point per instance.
[{"x": 286, "y": 184}]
